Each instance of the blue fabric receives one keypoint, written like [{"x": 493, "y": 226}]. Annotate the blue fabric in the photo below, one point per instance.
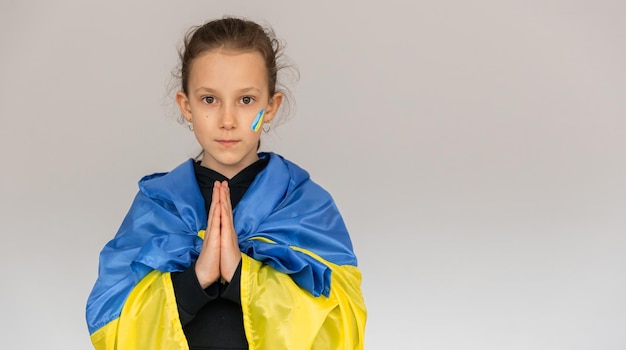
[{"x": 160, "y": 232}]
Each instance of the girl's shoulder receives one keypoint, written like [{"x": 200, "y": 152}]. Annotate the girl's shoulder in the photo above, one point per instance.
[
  {"x": 278, "y": 163},
  {"x": 163, "y": 184}
]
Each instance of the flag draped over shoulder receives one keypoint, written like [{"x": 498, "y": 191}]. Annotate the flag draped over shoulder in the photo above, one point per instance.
[{"x": 300, "y": 284}]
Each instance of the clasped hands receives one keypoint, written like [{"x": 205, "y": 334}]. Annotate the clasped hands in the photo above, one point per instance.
[{"x": 220, "y": 254}]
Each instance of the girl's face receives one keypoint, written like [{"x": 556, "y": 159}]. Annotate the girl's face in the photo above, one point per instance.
[{"x": 226, "y": 91}]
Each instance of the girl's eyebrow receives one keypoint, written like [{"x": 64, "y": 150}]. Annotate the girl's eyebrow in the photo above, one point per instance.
[
  {"x": 248, "y": 89},
  {"x": 243, "y": 90},
  {"x": 204, "y": 89}
]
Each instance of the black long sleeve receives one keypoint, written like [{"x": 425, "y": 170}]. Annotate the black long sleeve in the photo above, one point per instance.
[
  {"x": 232, "y": 290},
  {"x": 190, "y": 296}
]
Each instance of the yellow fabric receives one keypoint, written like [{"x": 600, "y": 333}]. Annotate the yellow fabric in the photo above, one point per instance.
[
  {"x": 277, "y": 313},
  {"x": 280, "y": 315},
  {"x": 149, "y": 319},
  {"x": 201, "y": 233}
]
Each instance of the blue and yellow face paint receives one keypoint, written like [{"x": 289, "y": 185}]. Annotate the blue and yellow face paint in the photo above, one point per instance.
[{"x": 258, "y": 121}]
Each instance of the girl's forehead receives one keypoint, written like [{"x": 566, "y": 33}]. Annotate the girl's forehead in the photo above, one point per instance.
[
  {"x": 230, "y": 56},
  {"x": 228, "y": 68},
  {"x": 217, "y": 60}
]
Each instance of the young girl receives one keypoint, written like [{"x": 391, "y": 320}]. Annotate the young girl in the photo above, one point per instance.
[{"x": 241, "y": 250}]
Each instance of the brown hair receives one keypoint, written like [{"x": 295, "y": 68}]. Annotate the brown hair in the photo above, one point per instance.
[{"x": 233, "y": 34}]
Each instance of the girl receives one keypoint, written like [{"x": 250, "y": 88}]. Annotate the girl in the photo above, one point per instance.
[{"x": 239, "y": 250}]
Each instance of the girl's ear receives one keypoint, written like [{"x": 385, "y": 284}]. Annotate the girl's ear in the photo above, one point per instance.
[
  {"x": 272, "y": 107},
  {"x": 183, "y": 104}
]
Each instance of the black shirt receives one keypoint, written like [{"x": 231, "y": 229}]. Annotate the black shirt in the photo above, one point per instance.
[{"x": 212, "y": 318}]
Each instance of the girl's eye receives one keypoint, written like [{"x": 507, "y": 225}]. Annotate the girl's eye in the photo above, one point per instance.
[
  {"x": 246, "y": 100},
  {"x": 208, "y": 99}
]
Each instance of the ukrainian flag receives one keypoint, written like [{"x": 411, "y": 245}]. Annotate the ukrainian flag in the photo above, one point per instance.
[{"x": 300, "y": 283}]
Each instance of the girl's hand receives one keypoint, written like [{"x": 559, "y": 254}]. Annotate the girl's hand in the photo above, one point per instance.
[
  {"x": 208, "y": 263},
  {"x": 230, "y": 255}
]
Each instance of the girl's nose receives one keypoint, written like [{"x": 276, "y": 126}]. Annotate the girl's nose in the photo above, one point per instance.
[{"x": 228, "y": 119}]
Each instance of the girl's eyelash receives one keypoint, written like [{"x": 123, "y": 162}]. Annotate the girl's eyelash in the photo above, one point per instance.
[{"x": 204, "y": 99}]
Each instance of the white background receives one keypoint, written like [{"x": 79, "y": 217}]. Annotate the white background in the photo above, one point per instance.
[{"x": 477, "y": 150}]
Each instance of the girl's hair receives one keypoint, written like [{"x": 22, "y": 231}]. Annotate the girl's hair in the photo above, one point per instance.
[{"x": 233, "y": 33}]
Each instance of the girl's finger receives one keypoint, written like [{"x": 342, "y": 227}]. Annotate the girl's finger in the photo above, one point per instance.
[
  {"x": 215, "y": 200},
  {"x": 226, "y": 195}
]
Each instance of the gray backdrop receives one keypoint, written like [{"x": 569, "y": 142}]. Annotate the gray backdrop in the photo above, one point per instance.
[{"x": 475, "y": 148}]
